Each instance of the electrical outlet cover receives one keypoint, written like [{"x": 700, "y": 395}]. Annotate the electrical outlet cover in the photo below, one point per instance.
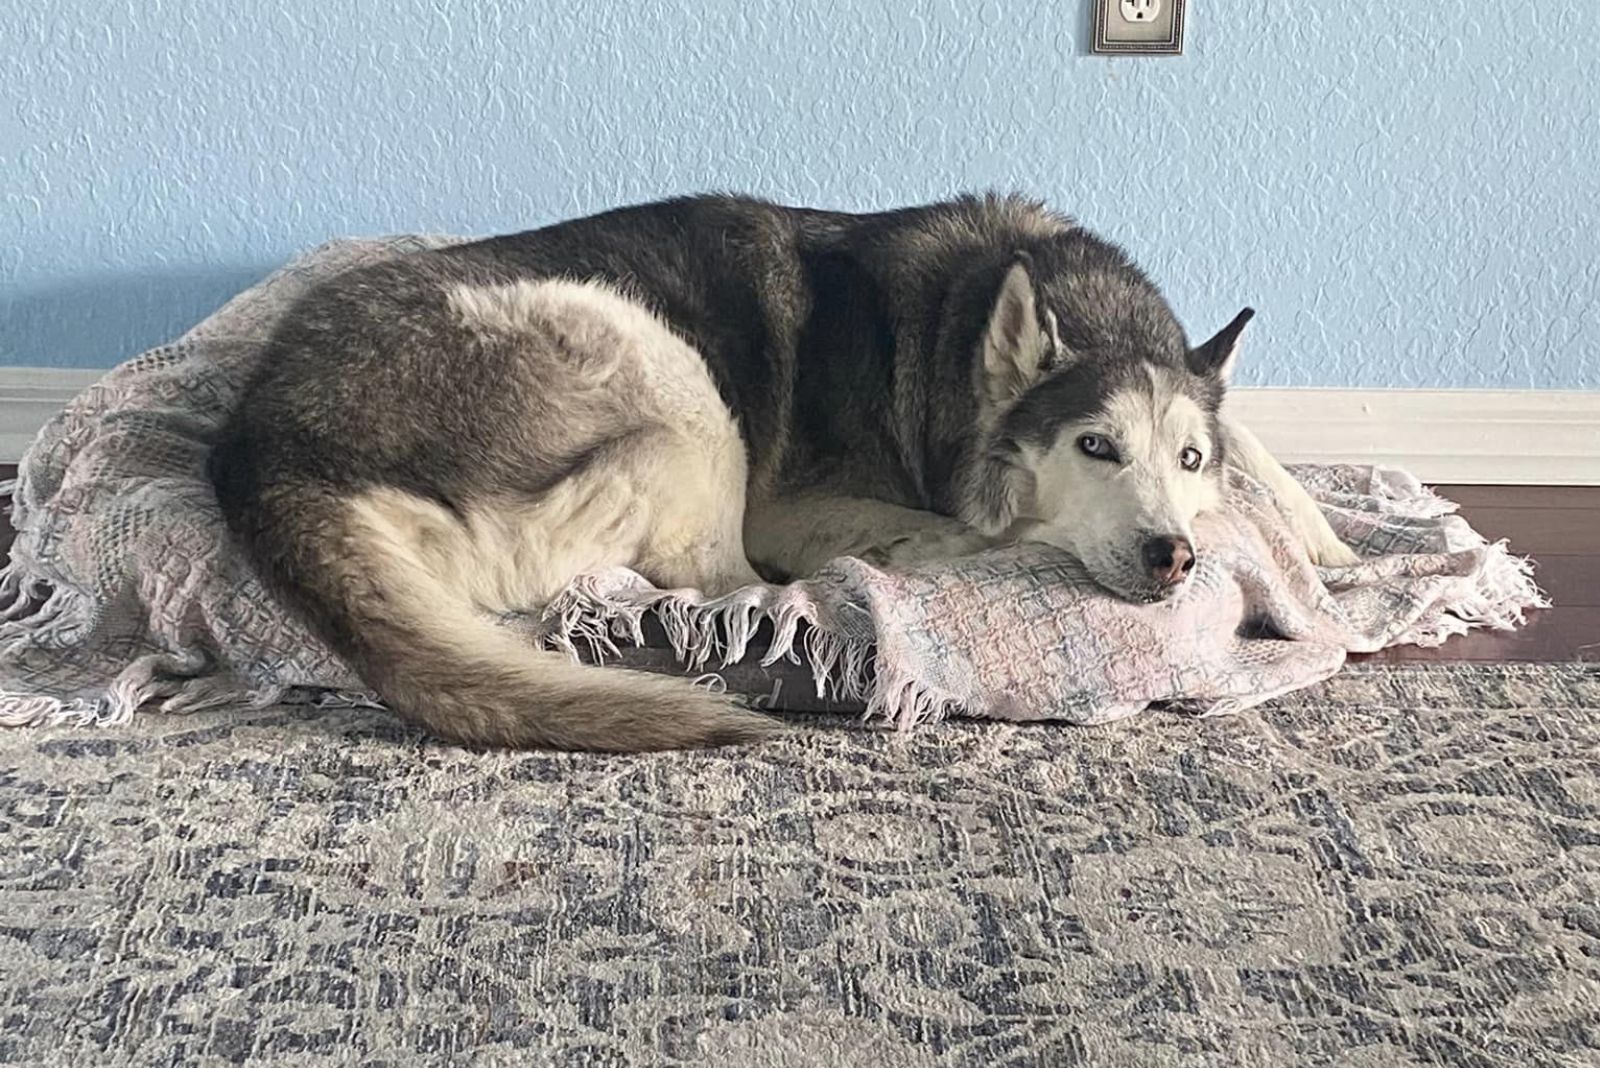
[{"x": 1138, "y": 27}]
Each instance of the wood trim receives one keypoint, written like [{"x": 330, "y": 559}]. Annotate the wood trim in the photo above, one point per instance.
[
  {"x": 1508, "y": 437},
  {"x": 1511, "y": 437},
  {"x": 29, "y": 396}
]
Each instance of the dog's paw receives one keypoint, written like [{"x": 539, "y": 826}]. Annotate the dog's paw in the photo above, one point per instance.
[
  {"x": 1318, "y": 538},
  {"x": 877, "y": 556},
  {"x": 926, "y": 547},
  {"x": 1329, "y": 551}
]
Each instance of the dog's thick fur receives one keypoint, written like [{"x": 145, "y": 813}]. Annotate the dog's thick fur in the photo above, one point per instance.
[{"x": 692, "y": 386}]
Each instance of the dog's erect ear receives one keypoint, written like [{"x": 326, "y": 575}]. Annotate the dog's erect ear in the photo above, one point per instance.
[
  {"x": 1217, "y": 356},
  {"x": 1018, "y": 346}
]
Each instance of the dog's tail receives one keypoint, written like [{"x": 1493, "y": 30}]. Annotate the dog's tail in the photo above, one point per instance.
[{"x": 441, "y": 663}]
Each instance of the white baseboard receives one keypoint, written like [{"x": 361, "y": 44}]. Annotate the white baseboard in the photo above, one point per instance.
[
  {"x": 1517, "y": 437},
  {"x": 29, "y": 396},
  {"x": 1488, "y": 436}
]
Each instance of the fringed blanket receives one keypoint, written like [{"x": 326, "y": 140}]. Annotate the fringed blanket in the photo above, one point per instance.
[{"x": 124, "y": 591}]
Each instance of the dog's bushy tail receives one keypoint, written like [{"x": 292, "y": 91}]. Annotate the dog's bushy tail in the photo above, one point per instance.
[{"x": 441, "y": 663}]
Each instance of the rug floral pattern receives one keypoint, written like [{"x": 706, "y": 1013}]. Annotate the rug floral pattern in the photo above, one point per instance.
[{"x": 1396, "y": 867}]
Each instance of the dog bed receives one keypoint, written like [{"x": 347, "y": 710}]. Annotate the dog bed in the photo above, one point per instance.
[{"x": 125, "y": 593}]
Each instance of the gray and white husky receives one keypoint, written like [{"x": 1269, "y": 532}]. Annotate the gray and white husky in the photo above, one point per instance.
[{"x": 698, "y": 389}]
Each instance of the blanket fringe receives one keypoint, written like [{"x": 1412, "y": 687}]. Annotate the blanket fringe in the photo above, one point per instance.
[
  {"x": 1503, "y": 590},
  {"x": 39, "y": 614},
  {"x": 845, "y": 668},
  {"x": 39, "y": 710}
]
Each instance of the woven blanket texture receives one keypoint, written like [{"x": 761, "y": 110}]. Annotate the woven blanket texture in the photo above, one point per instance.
[{"x": 124, "y": 591}]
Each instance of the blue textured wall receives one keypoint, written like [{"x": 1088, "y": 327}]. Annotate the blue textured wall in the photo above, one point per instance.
[{"x": 1409, "y": 201}]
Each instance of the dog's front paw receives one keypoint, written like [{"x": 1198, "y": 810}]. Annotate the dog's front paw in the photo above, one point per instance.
[
  {"x": 877, "y": 556},
  {"x": 1326, "y": 550},
  {"x": 1318, "y": 538},
  {"x": 926, "y": 547},
  {"x": 1334, "y": 554}
]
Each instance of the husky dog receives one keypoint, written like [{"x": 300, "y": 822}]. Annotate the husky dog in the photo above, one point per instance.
[{"x": 696, "y": 389}]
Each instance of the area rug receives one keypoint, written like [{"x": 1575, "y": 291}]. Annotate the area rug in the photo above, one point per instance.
[{"x": 1396, "y": 867}]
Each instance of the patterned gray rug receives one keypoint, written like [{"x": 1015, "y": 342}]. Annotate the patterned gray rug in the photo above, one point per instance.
[{"x": 1397, "y": 867}]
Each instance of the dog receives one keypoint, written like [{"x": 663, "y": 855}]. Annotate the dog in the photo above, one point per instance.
[{"x": 700, "y": 388}]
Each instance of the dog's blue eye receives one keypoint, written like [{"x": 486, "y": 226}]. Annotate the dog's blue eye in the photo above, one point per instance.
[
  {"x": 1190, "y": 459},
  {"x": 1096, "y": 446}
]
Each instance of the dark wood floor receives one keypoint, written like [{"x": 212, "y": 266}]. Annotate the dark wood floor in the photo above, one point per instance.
[{"x": 1559, "y": 526}]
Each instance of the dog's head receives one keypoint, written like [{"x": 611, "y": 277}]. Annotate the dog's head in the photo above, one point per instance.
[{"x": 1100, "y": 420}]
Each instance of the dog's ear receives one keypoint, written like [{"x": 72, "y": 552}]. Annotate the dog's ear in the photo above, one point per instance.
[
  {"x": 1217, "y": 356},
  {"x": 1018, "y": 346}
]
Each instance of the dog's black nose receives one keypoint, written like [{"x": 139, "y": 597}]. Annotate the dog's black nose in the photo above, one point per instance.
[{"x": 1169, "y": 558}]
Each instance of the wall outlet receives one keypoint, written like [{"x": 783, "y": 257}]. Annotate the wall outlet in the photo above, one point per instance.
[
  {"x": 1138, "y": 27},
  {"x": 1139, "y": 10}
]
